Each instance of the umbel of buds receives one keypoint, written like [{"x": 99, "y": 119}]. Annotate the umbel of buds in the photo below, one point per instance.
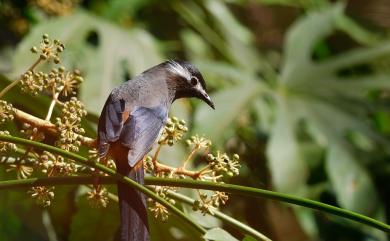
[
  {"x": 173, "y": 131},
  {"x": 6, "y": 111},
  {"x": 49, "y": 49},
  {"x": 69, "y": 125}
]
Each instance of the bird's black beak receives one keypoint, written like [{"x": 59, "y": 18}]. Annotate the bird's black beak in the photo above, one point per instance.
[{"x": 206, "y": 98}]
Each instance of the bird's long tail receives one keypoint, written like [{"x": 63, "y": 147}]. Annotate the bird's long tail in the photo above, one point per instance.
[{"x": 132, "y": 205}]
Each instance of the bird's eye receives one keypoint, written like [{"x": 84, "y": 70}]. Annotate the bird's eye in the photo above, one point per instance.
[{"x": 194, "y": 81}]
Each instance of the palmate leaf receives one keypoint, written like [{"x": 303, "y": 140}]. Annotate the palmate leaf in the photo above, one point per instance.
[
  {"x": 104, "y": 52},
  {"x": 330, "y": 105},
  {"x": 219, "y": 234}
]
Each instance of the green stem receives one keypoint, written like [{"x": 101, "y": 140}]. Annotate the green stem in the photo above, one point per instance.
[
  {"x": 261, "y": 193},
  {"x": 234, "y": 222},
  {"x": 79, "y": 180},
  {"x": 108, "y": 171},
  {"x": 229, "y": 188}
]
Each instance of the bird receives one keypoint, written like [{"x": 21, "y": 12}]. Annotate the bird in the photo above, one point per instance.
[{"x": 131, "y": 121}]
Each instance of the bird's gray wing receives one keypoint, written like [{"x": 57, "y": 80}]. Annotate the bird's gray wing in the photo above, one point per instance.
[
  {"x": 110, "y": 124},
  {"x": 141, "y": 130}
]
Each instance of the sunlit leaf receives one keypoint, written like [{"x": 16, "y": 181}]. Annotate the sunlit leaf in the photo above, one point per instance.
[{"x": 219, "y": 234}]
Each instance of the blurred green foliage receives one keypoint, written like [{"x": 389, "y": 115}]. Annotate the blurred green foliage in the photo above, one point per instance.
[{"x": 308, "y": 113}]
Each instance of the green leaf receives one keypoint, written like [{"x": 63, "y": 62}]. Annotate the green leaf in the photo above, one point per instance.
[
  {"x": 229, "y": 105},
  {"x": 314, "y": 94},
  {"x": 351, "y": 181},
  {"x": 285, "y": 159},
  {"x": 219, "y": 234},
  {"x": 249, "y": 238}
]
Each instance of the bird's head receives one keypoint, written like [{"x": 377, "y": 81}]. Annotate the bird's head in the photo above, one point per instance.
[{"x": 187, "y": 81}]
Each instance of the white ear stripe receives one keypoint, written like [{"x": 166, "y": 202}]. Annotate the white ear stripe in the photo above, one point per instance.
[{"x": 178, "y": 69}]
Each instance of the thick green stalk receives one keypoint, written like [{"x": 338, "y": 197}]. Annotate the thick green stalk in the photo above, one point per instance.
[
  {"x": 106, "y": 170},
  {"x": 234, "y": 222},
  {"x": 79, "y": 180},
  {"x": 257, "y": 193},
  {"x": 187, "y": 183},
  {"x": 229, "y": 188}
]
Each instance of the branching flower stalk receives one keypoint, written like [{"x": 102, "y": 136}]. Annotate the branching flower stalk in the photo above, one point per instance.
[
  {"x": 48, "y": 50},
  {"x": 215, "y": 168}
]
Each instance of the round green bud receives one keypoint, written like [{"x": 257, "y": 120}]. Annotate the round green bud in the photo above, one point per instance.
[
  {"x": 46, "y": 41},
  {"x": 57, "y": 60},
  {"x": 34, "y": 50},
  {"x": 182, "y": 122},
  {"x": 236, "y": 156},
  {"x": 60, "y": 49},
  {"x": 61, "y": 69},
  {"x": 172, "y": 201},
  {"x": 43, "y": 57},
  {"x": 196, "y": 203},
  {"x": 79, "y": 79},
  {"x": 45, "y": 36},
  {"x": 170, "y": 142},
  {"x": 174, "y": 119},
  {"x": 188, "y": 142}
]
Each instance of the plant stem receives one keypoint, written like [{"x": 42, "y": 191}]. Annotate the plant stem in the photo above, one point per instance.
[
  {"x": 218, "y": 214},
  {"x": 51, "y": 107},
  {"x": 194, "y": 184},
  {"x": 189, "y": 156},
  {"x": 47, "y": 126},
  {"x": 15, "y": 82},
  {"x": 108, "y": 171},
  {"x": 261, "y": 193},
  {"x": 188, "y": 183}
]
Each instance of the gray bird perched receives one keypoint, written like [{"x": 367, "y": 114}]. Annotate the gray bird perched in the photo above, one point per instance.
[{"x": 132, "y": 120}]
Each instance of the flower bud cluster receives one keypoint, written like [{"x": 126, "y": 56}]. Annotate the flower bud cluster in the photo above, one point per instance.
[
  {"x": 222, "y": 163},
  {"x": 49, "y": 49},
  {"x": 198, "y": 142},
  {"x": 58, "y": 80},
  {"x": 33, "y": 83},
  {"x": 42, "y": 195},
  {"x": 22, "y": 171},
  {"x": 207, "y": 203},
  {"x": 98, "y": 197},
  {"x": 69, "y": 125},
  {"x": 66, "y": 82},
  {"x": 6, "y": 111},
  {"x": 173, "y": 131},
  {"x": 54, "y": 164},
  {"x": 158, "y": 210}
]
